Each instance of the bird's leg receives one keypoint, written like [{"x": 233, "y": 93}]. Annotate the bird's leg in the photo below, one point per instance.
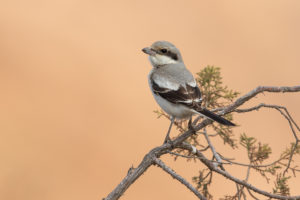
[
  {"x": 169, "y": 130},
  {"x": 191, "y": 126}
]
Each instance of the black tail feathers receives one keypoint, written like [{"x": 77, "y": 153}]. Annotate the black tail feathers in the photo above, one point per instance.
[{"x": 216, "y": 117}]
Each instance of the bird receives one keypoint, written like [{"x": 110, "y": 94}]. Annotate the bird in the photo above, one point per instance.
[{"x": 174, "y": 87}]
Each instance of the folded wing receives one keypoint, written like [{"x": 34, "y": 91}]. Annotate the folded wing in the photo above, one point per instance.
[{"x": 189, "y": 96}]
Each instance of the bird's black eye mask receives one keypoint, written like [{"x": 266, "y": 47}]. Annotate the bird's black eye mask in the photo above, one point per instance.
[{"x": 166, "y": 52}]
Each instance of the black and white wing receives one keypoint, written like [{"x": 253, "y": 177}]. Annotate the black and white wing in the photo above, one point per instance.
[{"x": 187, "y": 95}]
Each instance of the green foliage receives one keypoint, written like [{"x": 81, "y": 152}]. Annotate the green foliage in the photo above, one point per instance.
[
  {"x": 281, "y": 185},
  {"x": 214, "y": 94},
  {"x": 203, "y": 180},
  {"x": 225, "y": 133},
  {"x": 257, "y": 152},
  {"x": 287, "y": 152}
]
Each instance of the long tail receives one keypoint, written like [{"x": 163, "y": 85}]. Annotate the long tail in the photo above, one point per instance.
[{"x": 215, "y": 117}]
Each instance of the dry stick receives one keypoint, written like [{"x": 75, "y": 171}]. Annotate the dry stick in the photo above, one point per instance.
[
  {"x": 238, "y": 191},
  {"x": 252, "y": 195},
  {"x": 134, "y": 174},
  {"x": 250, "y": 165},
  {"x": 270, "y": 106},
  {"x": 256, "y": 91},
  {"x": 158, "y": 151},
  {"x": 292, "y": 168},
  {"x": 213, "y": 150},
  {"x": 246, "y": 180},
  {"x": 286, "y": 115},
  {"x": 180, "y": 155},
  {"x": 162, "y": 165}
]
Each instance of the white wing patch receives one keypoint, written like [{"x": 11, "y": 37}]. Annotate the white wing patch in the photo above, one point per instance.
[
  {"x": 186, "y": 101},
  {"x": 165, "y": 83},
  {"x": 192, "y": 83},
  {"x": 198, "y": 100}
]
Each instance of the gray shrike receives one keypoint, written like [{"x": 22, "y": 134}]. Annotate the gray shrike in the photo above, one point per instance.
[{"x": 174, "y": 87}]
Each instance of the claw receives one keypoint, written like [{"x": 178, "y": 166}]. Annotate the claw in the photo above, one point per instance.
[
  {"x": 169, "y": 141},
  {"x": 191, "y": 126},
  {"x": 169, "y": 130}
]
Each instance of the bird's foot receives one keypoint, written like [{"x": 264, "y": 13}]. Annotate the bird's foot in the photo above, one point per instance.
[
  {"x": 192, "y": 127},
  {"x": 169, "y": 141}
]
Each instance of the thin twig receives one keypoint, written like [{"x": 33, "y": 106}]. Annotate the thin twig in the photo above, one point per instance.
[
  {"x": 216, "y": 155},
  {"x": 250, "y": 165},
  {"x": 212, "y": 167},
  {"x": 180, "y": 155},
  {"x": 246, "y": 180},
  {"x": 162, "y": 165},
  {"x": 252, "y": 195},
  {"x": 238, "y": 191}
]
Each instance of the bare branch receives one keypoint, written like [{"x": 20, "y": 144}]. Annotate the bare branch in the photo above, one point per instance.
[
  {"x": 250, "y": 165},
  {"x": 260, "y": 89},
  {"x": 180, "y": 155},
  {"x": 134, "y": 174},
  {"x": 240, "y": 190},
  {"x": 252, "y": 195},
  {"x": 286, "y": 115},
  {"x": 216, "y": 155},
  {"x": 212, "y": 167},
  {"x": 162, "y": 165}
]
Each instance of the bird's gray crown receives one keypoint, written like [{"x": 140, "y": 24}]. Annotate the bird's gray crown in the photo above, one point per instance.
[{"x": 167, "y": 49}]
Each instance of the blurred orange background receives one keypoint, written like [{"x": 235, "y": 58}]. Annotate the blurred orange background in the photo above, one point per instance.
[{"x": 76, "y": 110}]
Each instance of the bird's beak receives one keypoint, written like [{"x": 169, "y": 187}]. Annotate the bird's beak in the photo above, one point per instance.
[{"x": 148, "y": 51}]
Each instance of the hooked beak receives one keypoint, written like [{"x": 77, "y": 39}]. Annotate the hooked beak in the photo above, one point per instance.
[{"x": 148, "y": 51}]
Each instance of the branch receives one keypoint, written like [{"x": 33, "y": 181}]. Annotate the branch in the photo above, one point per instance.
[
  {"x": 134, "y": 174},
  {"x": 216, "y": 155},
  {"x": 212, "y": 167},
  {"x": 252, "y": 195},
  {"x": 250, "y": 165},
  {"x": 260, "y": 89},
  {"x": 240, "y": 190},
  {"x": 162, "y": 165}
]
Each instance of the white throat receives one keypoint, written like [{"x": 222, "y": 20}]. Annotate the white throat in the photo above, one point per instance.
[{"x": 161, "y": 60}]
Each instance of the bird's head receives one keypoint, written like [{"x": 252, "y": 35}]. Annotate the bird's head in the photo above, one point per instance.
[{"x": 163, "y": 53}]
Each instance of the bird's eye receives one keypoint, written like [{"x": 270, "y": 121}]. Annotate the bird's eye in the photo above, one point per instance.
[{"x": 163, "y": 50}]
